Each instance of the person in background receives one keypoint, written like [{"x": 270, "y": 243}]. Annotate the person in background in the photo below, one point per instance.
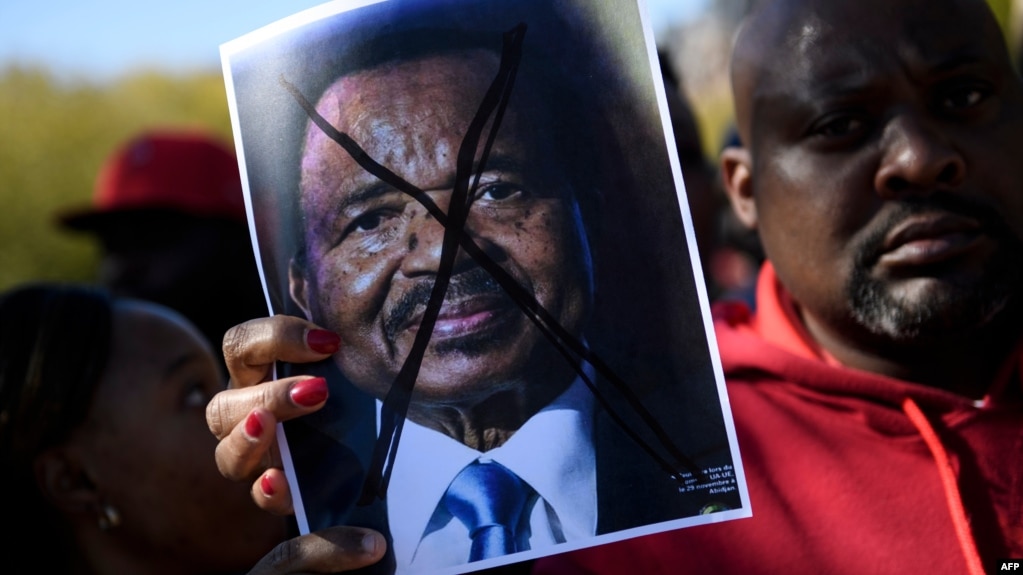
[
  {"x": 728, "y": 263},
  {"x": 169, "y": 213},
  {"x": 706, "y": 201},
  {"x": 739, "y": 254},
  {"x": 104, "y": 446}
]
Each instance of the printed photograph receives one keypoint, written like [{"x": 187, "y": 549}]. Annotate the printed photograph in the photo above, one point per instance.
[{"x": 484, "y": 200}]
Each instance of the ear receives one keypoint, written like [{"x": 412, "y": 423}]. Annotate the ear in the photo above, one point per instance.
[
  {"x": 737, "y": 176},
  {"x": 298, "y": 287},
  {"x": 63, "y": 481}
]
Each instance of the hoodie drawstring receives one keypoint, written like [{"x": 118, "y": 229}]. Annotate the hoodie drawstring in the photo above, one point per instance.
[{"x": 949, "y": 483}]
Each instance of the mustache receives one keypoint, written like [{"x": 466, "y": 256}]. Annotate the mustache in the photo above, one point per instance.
[
  {"x": 991, "y": 221},
  {"x": 472, "y": 283}
]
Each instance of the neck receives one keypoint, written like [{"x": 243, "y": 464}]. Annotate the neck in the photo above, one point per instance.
[
  {"x": 488, "y": 423},
  {"x": 106, "y": 552},
  {"x": 962, "y": 363}
]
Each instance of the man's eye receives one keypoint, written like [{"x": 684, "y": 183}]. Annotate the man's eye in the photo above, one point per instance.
[
  {"x": 838, "y": 126},
  {"x": 372, "y": 222},
  {"x": 963, "y": 97},
  {"x": 498, "y": 192},
  {"x": 368, "y": 222},
  {"x": 375, "y": 225}
]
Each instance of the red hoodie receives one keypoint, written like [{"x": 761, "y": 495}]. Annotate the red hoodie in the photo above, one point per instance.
[{"x": 848, "y": 471}]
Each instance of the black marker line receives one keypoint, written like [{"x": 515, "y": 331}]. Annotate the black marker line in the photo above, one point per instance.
[{"x": 399, "y": 396}]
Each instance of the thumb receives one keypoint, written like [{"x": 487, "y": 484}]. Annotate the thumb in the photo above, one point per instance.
[{"x": 331, "y": 550}]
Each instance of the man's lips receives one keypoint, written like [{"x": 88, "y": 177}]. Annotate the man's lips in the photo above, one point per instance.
[
  {"x": 930, "y": 238},
  {"x": 458, "y": 318}
]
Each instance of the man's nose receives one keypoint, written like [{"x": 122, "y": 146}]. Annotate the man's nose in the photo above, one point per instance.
[
  {"x": 424, "y": 243},
  {"x": 919, "y": 158}
]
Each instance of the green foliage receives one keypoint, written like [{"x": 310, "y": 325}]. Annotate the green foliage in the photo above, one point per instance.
[
  {"x": 56, "y": 134},
  {"x": 1003, "y": 11}
]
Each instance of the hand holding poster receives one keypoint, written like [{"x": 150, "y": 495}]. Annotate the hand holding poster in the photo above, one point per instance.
[{"x": 481, "y": 198}]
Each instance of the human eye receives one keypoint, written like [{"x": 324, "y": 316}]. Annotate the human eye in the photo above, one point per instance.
[
  {"x": 496, "y": 192},
  {"x": 195, "y": 396},
  {"x": 838, "y": 125},
  {"x": 369, "y": 231},
  {"x": 963, "y": 96},
  {"x": 370, "y": 223},
  {"x": 367, "y": 222}
]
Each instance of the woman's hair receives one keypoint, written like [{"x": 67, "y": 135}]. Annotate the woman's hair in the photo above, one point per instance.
[{"x": 54, "y": 345}]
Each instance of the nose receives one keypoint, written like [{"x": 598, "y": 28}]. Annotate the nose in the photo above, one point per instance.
[
  {"x": 918, "y": 159},
  {"x": 424, "y": 243}
]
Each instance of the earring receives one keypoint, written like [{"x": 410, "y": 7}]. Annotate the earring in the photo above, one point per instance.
[{"x": 109, "y": 517}]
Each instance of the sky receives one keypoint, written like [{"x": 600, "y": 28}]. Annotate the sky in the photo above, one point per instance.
[{"x": 103, "y": 39}]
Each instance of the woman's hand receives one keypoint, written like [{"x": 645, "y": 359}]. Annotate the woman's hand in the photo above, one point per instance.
[{"x": 244, "y": 419}]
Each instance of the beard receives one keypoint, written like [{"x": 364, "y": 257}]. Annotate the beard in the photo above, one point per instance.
[{"x": 959, "y": 307}]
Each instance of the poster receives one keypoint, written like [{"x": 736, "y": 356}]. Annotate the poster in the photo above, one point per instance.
[{"x": 483, "y": 199}]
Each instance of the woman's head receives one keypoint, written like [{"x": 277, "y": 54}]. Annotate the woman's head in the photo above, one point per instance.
[{"x": 102, "y": 422}]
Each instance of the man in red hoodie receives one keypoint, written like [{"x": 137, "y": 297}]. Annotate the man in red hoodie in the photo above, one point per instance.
[{"x": 877, "y": 390}]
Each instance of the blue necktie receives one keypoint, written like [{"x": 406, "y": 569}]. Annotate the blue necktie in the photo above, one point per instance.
[{"x": 490, "y": 500}]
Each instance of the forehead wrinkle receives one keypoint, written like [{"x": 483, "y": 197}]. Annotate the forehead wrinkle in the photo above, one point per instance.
[
  {"x": 367, "y": 106},
  {"x": 341, "y": 203}
]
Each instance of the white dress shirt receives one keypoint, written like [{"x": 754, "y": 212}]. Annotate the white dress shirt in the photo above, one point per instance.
[{"x": 552, "y": 452}]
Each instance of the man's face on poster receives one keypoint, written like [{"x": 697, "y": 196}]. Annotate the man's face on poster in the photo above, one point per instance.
[{"x": 372, "y": 253}]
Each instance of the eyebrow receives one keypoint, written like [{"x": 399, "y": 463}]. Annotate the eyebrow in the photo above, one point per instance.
[
  {"x": 850, "y": 79},
  {"x": 363, "y": 195},
  {"x": 960, "y": 58}
]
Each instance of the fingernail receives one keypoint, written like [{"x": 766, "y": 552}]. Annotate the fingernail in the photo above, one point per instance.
[
  {"x": 266, "y": 486},
  {"x": 309, "y": 392},
  {"x": 253, "y": 426},
  {"x": 323, "y": 341},
  {"x": 370, "y": 542}
]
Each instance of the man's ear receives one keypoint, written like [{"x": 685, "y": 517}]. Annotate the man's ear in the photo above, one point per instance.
[
  {"x": 298, "y": 287},
  {"x": 64, "y": 482},
  {"x": 737, "y": 176}
]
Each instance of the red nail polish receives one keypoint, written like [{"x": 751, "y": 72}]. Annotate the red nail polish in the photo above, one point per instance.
[
  {"x": 323, "y": 341},
  {"x": 309, "y": 392},
  {"x": 266, "y": 485},
  {"x": 253, "y": 426}
]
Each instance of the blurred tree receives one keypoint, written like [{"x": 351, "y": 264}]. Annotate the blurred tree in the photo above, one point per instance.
[
  {"x": 1002, "y": 10},
  {"x": 57, "y": 134}
]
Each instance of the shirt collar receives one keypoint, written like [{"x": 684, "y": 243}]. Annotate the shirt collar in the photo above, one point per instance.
[{"x": 562, "y": 472}]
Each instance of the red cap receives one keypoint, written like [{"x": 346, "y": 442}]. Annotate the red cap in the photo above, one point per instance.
[{"x": 186, "y": 172}]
